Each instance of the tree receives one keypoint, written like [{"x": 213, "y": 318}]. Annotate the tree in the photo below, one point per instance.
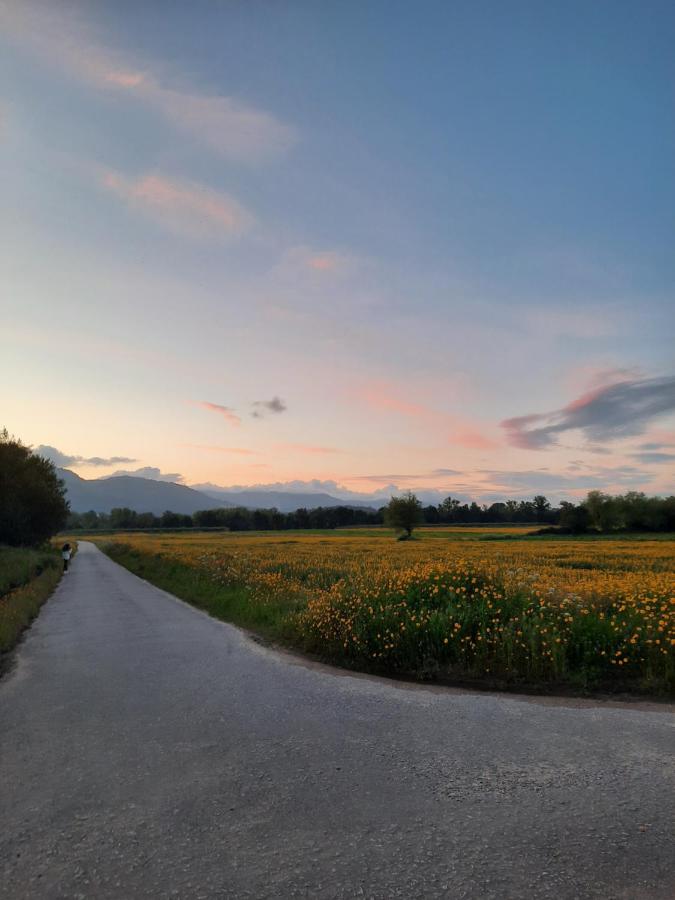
[
  {"x": 175, "y": 520},
  {"x": 496, "y": 512},
  {"x": 33, "y": 504},
  {"x": 574, "y": 518},
  {"x": 541, "y": 507},
  {"x": 603, "y": 511},
  {"x": 90, "y": 520},
  {"x": 448, "y": 508},
  {"x": 511, "y": 510},
  {"x": 123, "y": 517},
  {"x": 403, "y": 513},
  {"x": 431, "y": 515}
]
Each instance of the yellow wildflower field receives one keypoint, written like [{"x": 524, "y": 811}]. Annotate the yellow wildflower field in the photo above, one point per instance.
[{"x": 578, "y": 612}]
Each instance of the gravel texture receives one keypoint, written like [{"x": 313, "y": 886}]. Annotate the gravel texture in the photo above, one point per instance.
[{"x": 147, "y": 750}]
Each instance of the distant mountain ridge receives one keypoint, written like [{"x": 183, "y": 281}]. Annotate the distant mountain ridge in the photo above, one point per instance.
[
  {"x": 284, "y": 501},
  {"x": 139, "y": 494},
  {"x": 148, "y": 495}
]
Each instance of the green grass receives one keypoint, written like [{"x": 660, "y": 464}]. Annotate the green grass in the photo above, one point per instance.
[{"x": 27, "y": 578}]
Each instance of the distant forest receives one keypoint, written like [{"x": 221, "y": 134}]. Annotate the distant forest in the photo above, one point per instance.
[{"x": 599, "y": 512}]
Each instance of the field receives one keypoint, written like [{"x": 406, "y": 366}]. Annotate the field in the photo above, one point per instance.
[{"x": 483, "y": 605}]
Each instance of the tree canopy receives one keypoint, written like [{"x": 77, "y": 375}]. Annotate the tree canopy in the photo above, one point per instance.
[
  {"x": 403, "y": 512},
  {"x": 33, "y": 505}
]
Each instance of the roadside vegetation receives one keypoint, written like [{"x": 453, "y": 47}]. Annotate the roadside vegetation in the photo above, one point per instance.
[
  {"x": 32, "y": 509},
  {"x": 542, "y": 614},
  {"x": 27, "y": 578}
]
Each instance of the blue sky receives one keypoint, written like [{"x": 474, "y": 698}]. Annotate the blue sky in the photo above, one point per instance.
[{"x": 410, "y": 222}]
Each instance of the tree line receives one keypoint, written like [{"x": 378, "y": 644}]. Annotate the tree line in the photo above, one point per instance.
[{"x": 598, "y": 512}]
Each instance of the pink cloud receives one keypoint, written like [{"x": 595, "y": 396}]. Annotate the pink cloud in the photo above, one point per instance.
[
  {"x": 309, "y": 449},
  {"x": 323, "y": 262},
  {"x": 518, "y": 431},
  {"x": 60, "y": 34},
  {"x": 125, "y": 79},
  {"x": 383, "y": 397},
  {"x": 181, "y": 206},
  {"x": 216, "y": 448},
  {"x": 613, "y": 411},
  {"x": 228, "y": 414},
  {"x": 471, "y": 438},
  {"x": 583, "y": 400},
  {"x": 229, "y": 127},
  {"x": 461, "y": 431},
  {"x": 599, "y": 381}
]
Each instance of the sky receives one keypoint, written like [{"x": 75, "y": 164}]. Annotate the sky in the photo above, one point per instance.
[{"x": 357, "y": 246}]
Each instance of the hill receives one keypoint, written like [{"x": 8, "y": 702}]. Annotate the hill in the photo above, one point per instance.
[{"x": 139, "y": 494}]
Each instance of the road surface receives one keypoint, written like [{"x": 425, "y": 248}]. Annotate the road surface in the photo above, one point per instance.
[{"x": 147, "y": 750}]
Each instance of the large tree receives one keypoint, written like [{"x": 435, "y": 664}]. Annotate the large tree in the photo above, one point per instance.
[
  {"x": 403, "y": 513},
  {"x": 33, "y": 504}
]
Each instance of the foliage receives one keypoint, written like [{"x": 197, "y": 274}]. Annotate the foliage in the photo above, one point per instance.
[
  {"x": 18, "y": 565},
  {"x": 27, "y": 578},
  {"x": 32, "y": 497},
  {"x": 403, "y": 513},
  {"x": 573, "y": 518},
  {"x": 231, "y": 518},
  {"x": 630, "y": 512},
  {"x": 581, "y": 613}
]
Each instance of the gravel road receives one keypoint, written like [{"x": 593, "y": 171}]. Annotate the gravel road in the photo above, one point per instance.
[{"x": 147, "y": 750}]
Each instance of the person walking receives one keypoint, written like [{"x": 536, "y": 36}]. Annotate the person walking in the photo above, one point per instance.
[{"x": 65, "y": 553}]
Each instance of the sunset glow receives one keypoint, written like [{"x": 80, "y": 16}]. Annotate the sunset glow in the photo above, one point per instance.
[{"x": 349, "y": 249}]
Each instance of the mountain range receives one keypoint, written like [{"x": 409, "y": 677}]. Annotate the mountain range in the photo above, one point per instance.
[
  {"x": 148, "y": 495},
  {"x": 284, "y": 501},
  {"x": 139, "y": 494}
]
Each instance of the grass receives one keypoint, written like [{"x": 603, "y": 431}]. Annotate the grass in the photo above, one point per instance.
[
  {"x": 556, "y": 615},
  {"x": 27, "y": 578}
]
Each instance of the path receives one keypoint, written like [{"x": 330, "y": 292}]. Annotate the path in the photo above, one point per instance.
[{"x": 149, "y": 751}]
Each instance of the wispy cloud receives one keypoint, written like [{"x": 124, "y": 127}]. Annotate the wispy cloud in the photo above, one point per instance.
[
  {"x": 301, "y": 261},
  {"x": 228, "y": 414},
  {"x": 309, "y": 449},
  {"x": 262, "y": 407},
  {"x": 461, "y": 431},
  {"x": 151, "y": 472},
  {"x": 181, "y": 206},
  {"x": 229, "y": 127},
  {"x": 652, "y": 458},
  {"x": 60, "y": 35},
  {"x": 607, "y": 478},
  {"x": 323, "y": 262},
  {"x": 217, "y": 448},
  {"x": 384, "y": 397},
  {"x": 64, "y": 459},
  {"x": 484, "y": 485},
  {"x": 465, "y": 435},
  {"x": 609, "y": 412},
  {"x": 393, "y": 479}
]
